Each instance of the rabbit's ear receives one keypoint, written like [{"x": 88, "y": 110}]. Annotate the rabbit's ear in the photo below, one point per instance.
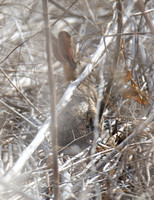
[
  {"x": 65, "y": 48},
  {"x": 63, "y": 52},
  {"x": 55, "y": 49}
]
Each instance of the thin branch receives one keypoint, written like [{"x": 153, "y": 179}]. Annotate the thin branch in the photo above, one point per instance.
[
  {"x": 20, "y": 115},
  {"x": 105, "y": 99},
  {"x": 142, "y": 8},
  {"x": 65, "y": 10},
  {"x": 135, "y": 133},
  {"x": 60, "y": 17},
  {"x": 27, "y": 100},
  {"x": 27, "y": 153},
  {"x": 20, "y": 45},
  {"x": 144, "y": 12},
  {"x": 53, "y": 127},
  {"x": 116, "y": 150}
]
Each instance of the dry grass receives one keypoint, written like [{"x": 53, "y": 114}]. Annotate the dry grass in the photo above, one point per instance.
[{"x": 118, "y": 164}]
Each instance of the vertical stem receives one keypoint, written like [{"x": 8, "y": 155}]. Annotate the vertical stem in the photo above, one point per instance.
[
  {"x": 53, "y": 124},
  {"x": 105, "y": 100}
]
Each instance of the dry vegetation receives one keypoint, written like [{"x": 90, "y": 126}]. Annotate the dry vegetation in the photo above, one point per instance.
[{"x": 111, "y": 99}]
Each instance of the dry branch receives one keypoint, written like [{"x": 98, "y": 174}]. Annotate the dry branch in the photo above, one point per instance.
[{"x": 53, "y": 123}]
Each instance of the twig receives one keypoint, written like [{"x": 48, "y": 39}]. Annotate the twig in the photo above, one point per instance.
[
  {"x": 26, "y": 154},
  {"x": 105, "y": 99},
  {"x": 67, "y": 186},
  {"x": 125, "y": 34},
  {"x": 20, "y": 115},
  {"x": 135, "y": 133},
  {"x": 64, "y": 12},
  {"x": 21, "y": 35},
  {"x": 90, "y": 11},
  {"x": 53, "y": 127},
  {"x": 20, "y": 45},
  {"x": 144, "y": 12},
  {"x": 142, "y": 8},
  {"x": 28, "y": 101}
]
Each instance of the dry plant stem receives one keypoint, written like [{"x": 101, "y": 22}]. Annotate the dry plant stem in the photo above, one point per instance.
[
  {"x": 66, "y": 186},
  {"x": 27, "y": 153},
  {"x": 53, "y": 126},
  {"x": 142, "y": 8},
  {"x": 138, "y": 130},
  {"x": 125, "y": 34},
  {"x": 144, "y": 12},
  {"x": 20, "y": 46},
  {"x": 64, "y": 13},
  {"x": 21, "y": 35},
  {"x": 90, "y": 11},
  {"x": 20, "y": 115},
  {"x": 65, "y": 10},
  {"x": 48, "y": 183},
  {"x": 115, "y": 61},
  {"x": 20, "y": 4},
  {"x": 28, "y": 101}
]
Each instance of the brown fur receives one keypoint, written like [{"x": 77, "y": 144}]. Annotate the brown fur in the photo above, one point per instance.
[{"x": 63, "y": 52}]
